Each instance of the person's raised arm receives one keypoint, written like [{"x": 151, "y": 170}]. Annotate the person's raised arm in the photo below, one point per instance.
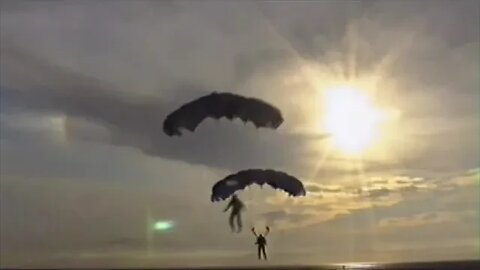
[
  {"x": 267, "y": 230},
  {"x": 254, "y": 233}
]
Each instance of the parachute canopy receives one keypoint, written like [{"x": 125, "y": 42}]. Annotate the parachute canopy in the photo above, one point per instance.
[
  {"x": 238, "y": 181},
  {"x": 218, "y": 105}
]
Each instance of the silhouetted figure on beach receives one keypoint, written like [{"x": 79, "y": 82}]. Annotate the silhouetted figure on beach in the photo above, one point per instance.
[
  {"x": 237, "y": 206},
  {"x": 261, "y": 243}
]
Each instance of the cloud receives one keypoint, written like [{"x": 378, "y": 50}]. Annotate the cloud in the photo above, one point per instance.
[
  {"x": 312, "y": 187},
  {"x": 319, "y": 188},
  {"x": 468, "y": 179},
  {"x": 375, "y": 193},
  {"x": 92, "y": 100},
  {"x": 330, "y": 202},
  {"x": 418, "y": 220}
]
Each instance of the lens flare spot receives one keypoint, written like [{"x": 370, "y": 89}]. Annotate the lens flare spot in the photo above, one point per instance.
[{"x": 163, "y": 225}]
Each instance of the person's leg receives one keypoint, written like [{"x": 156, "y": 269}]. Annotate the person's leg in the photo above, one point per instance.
[
  {"x": 264, "y": 252},
  {"x": 230, "y": 221},
  {"x": 239, "y": 222},
  {"x": 259, "y": 251}
]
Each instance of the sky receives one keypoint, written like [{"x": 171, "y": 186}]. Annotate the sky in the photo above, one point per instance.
[{"x": 85, "y": 86}]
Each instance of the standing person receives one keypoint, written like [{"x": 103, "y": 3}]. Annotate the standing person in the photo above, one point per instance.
[
  {"x": 237, "y": 206},
  {"x": 261, "y": 243}
]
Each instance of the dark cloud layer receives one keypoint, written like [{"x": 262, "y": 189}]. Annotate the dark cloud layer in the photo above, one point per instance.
[{"x": 137, "y": 122}]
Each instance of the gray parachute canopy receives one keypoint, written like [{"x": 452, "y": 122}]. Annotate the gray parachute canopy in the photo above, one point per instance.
[
  {"x": 218, "y": 105},
  {"x": 240, "y": 180}
]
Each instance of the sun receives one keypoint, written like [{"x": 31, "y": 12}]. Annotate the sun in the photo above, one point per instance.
[{"x": 352, "y": 119}]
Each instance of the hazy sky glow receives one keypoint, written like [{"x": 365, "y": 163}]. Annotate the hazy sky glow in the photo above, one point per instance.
[{"x": 85, "y": 86}]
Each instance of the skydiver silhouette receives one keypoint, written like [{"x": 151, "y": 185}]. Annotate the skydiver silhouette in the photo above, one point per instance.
[
  {"x": 261, "y": 243},
  {"x": 237, "y": 206}
]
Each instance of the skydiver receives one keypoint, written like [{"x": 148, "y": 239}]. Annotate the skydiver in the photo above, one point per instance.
[
  {"x": 261, "y": 243},
  {"x": 237, "y": 206}
]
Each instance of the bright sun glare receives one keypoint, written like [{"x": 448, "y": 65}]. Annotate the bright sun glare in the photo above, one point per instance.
[{"x": 351, "y": 119}]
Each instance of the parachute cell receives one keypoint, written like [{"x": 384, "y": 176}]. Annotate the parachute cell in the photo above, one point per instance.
[
  {"x": 240, "y": 180},
  {"x": 218, "y": 105}
]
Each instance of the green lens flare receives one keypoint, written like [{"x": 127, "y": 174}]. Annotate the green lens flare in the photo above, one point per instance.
[{"x": 163, "y": 225}]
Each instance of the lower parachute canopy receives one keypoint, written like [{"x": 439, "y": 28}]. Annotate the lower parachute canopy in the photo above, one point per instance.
[
  {"x": 218, "y": 105},
  {"x": 240, "y": 180}
]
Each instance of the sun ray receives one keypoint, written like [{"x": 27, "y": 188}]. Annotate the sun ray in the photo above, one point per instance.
[
  {"x": 325, "y": 154},
  {"x": 303, "y": 65}
]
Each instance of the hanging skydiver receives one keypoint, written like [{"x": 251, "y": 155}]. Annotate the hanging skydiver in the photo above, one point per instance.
[
  {"x": 237, "y": 206},
  {"x": 261, "y": 243}
]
